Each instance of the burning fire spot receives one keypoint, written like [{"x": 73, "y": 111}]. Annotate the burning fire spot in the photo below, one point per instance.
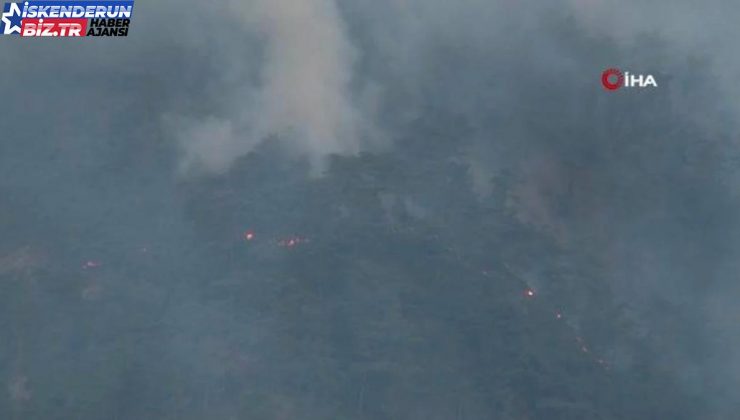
[
  {"x": 581, "y": 343},
  {"x": 292, "y": 242},
  {"x": 91, "y": 292},
  {"x": 249, "y": 235},
  {"x": 529, "y": 293},
  {"x": 18, "y": 389},
  {"x": 91, "y": 264},
  {"x": 21, "y": 261}
]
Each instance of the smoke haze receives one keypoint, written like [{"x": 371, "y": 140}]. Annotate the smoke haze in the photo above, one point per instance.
[{"x": 406, "y": 147}]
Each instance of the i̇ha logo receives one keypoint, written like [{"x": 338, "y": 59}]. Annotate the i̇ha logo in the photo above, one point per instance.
[{"x": 613, "y": 79}]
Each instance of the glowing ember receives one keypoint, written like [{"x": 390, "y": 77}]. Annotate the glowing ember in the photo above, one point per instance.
[
  {"x": 249, "y": 235},
  {"x": 529, "y": 293}
]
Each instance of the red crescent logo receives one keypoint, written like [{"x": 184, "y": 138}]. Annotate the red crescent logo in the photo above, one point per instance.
[{"x": 609, "y": 85}]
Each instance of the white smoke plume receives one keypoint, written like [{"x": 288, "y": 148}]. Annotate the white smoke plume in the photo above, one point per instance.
[{"x": 302, "y": 96}]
